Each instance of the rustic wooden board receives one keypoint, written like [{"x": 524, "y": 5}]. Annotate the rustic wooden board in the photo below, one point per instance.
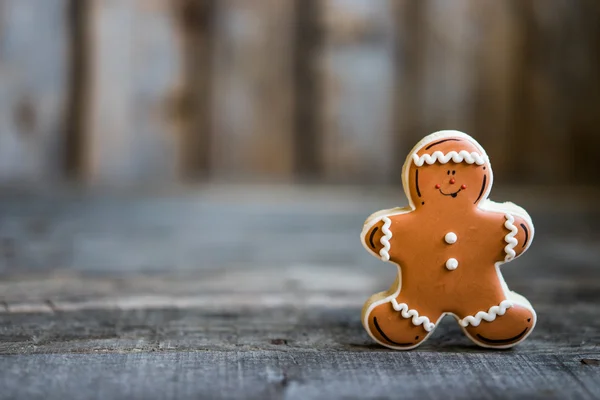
[
  {"x": 277, "y": 333},
  {"x": 195, "y": 229},
  {"x": 356, "y": 74},
  {"x": 191, "y": 104},
  {"x": 456, "y": 69},
  {"x": 494, "y": 66},
  {"x": 253, "y": 90},
  {"x": 557, "y": 88},
  {"x": 306, "y": 308},
  {"x": 256, "y": 292},
  {"x": 301, "y": 375},
  {"x": 33, "y": 88},
  {"x": 135, "y": 67},
  {"x": 408, "y": 96},
  {"x": 447, "y": 83},
  {"x": 308, "y": 100},
  {"x": 585, "y": 83}
]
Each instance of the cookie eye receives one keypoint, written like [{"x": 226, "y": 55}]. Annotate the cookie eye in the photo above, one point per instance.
[
  {"x": 453, "y": 172},
  {"x": 448, "y": 172}
]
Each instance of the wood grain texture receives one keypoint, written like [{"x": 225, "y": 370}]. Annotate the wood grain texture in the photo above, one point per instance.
[
  {"x": 77, "y": 112},
  {"x": 134, "y": 70},
  {"x": 554, "y": 94},
  {"x": 307, "y": 138},
  {"x": 447, "y": 83},
  {"x": 301, "y": 375},
  {"x": 272, "y": 331},
  {"x": 253, "y": 103},
  {"x": 587, "y": 86},
  {"x": 495, "y": 25},
  {"x": 356, "y": 74},
  {"x": 548, "y": 135},
  {"x": 159, "y": 91},
  {"x": 408, "y": 96},
  {"x": 305, "y": 308},
  {"x": 33, "y": 88},
  {"x": 220, "y": 226},
  {"x": 255, "y": 292},
  {"x": 191, "y": 105}
]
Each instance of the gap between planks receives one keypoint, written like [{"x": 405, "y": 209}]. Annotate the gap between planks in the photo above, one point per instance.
[{"x": 223, "y": 302}]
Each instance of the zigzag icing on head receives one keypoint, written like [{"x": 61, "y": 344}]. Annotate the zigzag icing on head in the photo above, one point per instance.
[
  {"x": 414, "y": 314},
  {"x": 385, "y": 239},
  {"x": 457, "y": 157},
  {"x": 510, "y": 238},
  {"x": 488, "y": 316}
]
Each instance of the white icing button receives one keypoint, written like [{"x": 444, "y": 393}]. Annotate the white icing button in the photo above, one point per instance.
[
  {"x": 452, "y": 264},
  {"x": 450, "y": 238}
]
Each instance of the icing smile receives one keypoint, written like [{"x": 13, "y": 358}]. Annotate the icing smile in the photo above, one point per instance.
[
  {"x": 451, "y": 194},
  {"x": 502, "y": 341},
  {"x": 386, "y": 337}
]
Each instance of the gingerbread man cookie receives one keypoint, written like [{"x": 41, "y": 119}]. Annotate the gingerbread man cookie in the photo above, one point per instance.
[{"x": 448, "y": 245}]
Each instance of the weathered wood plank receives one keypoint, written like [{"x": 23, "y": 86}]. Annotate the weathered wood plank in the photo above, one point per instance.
[
  {"x": 310, "y": 308},
  {"x": 439, "y": 46},
  {"x": 447, "y": 77},
  {"x": 585, "y": 119},
  {"x": 134, "y": 70},
  {"x": 308, "y": 38},
  {"x": 34, "y": 65},
  {"x": 558, "y": 79},
  {"x": 307, "y": 375},
  {"x": 408, "y": 96},
  {"x": 307, "y": 318},
  {"x": 306, "y": 344},
  {"x": 253, "y": 119},
  {"x": 78, "y": 106},
  {"x": 356, "y": 71},
  {"x": 191, "y": 105},
  {"x": 494, "y": 67},
  {"x": 238, "y": 316},
  {"x": 219, "y": 226}
]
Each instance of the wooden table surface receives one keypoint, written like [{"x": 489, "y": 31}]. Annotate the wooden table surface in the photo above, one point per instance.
[{"x": 256, "y": 291}]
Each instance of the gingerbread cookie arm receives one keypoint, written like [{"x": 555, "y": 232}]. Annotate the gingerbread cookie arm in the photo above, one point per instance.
[
  {"x": 518, "y": 228},
  {"x": 378, "y": 232},
  {"x": 521, "y": 230},
  {"x": 372, "y": 238}
]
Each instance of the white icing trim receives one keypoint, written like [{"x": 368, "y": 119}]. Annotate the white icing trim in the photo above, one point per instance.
[
  {"x": 414, "y": 314},
  {"x": 385, "y": 239},
  {"x": 376, "y": 218},
  {"x": 488, "y": 316},
  {"x": 457, "y": 157},
  {"x": 510, "y": 238}
]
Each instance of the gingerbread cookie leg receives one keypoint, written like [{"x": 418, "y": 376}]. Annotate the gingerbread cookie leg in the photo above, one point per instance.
[
  {"x": 390, "y": 320},
  {"x": 501, "y": 326}
]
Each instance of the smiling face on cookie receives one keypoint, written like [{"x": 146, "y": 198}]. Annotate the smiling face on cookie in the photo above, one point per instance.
[{"x": 448, "y": 172}]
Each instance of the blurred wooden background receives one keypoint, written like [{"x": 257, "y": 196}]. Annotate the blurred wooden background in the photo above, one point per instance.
[
  {"x": 254, "y": 290},
  {"x": 130, "y": 91}
]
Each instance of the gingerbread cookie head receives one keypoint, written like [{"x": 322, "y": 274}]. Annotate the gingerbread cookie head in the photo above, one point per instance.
[{"x": 447, "y": 169}]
